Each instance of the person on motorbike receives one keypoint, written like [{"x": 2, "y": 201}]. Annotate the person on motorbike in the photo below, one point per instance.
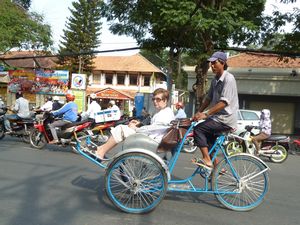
[
  {"x": 112, "y": 105},
  {"x": 47, "y": 107},
  {"x": 221, "y": 115},
  {"x": 21, "y": 108},
  {"x": 180, "y": 114},
  {"x": 93, "y": 108},
  {"x": 56, "y": 105},
  {"x": 69, "y": 114},
  {"x": 265, "y": 129},
  {"x": 159, "y": 124}
]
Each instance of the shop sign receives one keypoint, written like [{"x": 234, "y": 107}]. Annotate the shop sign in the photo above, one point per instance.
[
  {"x": 40, "y": 81},
  {"x": 78, "y": 81},
  {"x": 111, "y": 94}
]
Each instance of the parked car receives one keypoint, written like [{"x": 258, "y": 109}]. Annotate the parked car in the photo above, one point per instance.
[{"x": 247, "y": 117}]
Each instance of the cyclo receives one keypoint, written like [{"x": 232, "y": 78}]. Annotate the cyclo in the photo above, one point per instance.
[{"x": 137, "y": 178}]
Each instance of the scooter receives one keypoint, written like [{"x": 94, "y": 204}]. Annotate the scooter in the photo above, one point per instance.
[
  {"x": 41, "y": 134},
  {"x": 295, "y": 147},
  {"x": 275, "y": 147},
  {"x": 20, "y": 128}
]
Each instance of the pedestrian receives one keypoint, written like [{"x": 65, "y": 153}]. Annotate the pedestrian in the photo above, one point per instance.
[
  {"x": 220, "y": 105},
  {"x": 180, "y": 114}
]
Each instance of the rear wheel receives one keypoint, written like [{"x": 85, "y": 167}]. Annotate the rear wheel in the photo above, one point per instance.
[
  {"x": 2, "y": 131},
  {"x": 37, "y": 139},
  {"x": 242, "y": 186},
  {"x": 26, "y": 135},
  {"x": 136, "y": 182},
  {"x": 280, "y": 154}
]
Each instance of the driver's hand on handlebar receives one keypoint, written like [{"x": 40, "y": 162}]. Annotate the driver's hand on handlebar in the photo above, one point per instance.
[{"x": 199, "y": 116}]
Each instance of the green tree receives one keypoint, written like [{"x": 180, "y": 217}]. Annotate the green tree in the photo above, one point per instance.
[
  {"x": 283, "y": 41},
  {"x": 81, "y": 35},
  {"x": 193, "y": 26},
  {"x": 24, "y": 3},
  {"x": 22, "y": 29}
]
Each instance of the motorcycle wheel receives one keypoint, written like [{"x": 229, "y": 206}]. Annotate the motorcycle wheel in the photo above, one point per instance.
[
  {"x": 234, "y": 147},
  {"x": 280, "y": 154},
  {"x": 26, "y": 136},
  {"x": 188, "y": 146},
  {"x": 2, "y": 131},
  {"x": 37, "y": 139}
]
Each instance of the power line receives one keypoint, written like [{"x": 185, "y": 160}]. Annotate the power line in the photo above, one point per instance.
[{"x": 286, "y": 54}]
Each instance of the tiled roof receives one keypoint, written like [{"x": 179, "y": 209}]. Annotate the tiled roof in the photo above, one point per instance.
[
  {"x": 48, "y": 63},
  {"x": 260, "y": 60},
  {"x": 134, "y": 63}
]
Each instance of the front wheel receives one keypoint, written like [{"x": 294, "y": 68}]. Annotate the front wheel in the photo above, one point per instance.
[
  {"x": 234, "y": 147},
  {"x": 37, "y": 139},
  {"x": 135, "y": 182},
  {"x": 26, "y": 135},
  {"x": 242, "y": 184},
  {"x": 279, "y": 155},
  {"x": 189, "y": 146}
]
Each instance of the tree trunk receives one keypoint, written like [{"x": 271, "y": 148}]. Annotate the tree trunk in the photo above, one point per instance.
[{"x": 201, "y": 80}]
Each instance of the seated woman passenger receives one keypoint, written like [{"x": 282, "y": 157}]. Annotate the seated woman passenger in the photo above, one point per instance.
[{"x": 159, "y": 123}]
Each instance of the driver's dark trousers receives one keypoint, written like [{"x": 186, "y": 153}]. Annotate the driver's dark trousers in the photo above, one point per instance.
[{"x": 58, "y": 123}]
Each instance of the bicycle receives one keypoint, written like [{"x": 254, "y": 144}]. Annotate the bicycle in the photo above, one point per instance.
[{"x": 137, "y": 179}]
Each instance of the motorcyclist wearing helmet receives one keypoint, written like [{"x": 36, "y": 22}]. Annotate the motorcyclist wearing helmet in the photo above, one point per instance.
[
  {"x": 265, "y": 129},
  {"x": 56, "y": 105},
  {"x": 93, "y": 108},
  {"x": 112, "y": 105},
  {"x": 21, "y": 108},
  {"x": 180, "y": 111},
  {"x": 69, "y": 114},
  {"x": 48, "y": 105}
]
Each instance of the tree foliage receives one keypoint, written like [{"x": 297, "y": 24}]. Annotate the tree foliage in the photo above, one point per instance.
[
  {"x": 81, "y": 35},
  {"x": 273, "y": 31},
  {"x": 196, "y": 26},
  {"x": 22, "y": 29}
]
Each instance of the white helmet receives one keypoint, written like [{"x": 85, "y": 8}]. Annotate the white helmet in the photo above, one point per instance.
[
  {"x": 93, "y": 96},
  {"x": 56, "y": 98},
  {"x": 112, "y": 102}
]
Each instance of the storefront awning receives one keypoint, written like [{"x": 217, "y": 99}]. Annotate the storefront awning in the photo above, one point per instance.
[{"x": 109, "y": 93}]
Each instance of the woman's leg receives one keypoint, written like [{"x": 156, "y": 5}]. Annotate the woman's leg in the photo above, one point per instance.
[
  {"x": 258, "y": 139},
  {"x": 106, "y": 147}
]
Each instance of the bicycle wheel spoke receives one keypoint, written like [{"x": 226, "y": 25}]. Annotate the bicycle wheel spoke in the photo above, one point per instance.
[{"x": 246, "y": 192}]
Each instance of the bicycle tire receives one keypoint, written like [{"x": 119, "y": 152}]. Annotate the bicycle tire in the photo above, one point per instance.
[
  {"x": 244, "y": 195},
  {"x": 135, "y": 182}
]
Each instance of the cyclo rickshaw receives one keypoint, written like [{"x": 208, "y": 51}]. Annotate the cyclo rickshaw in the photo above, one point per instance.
[{"x": 137, "y": 178}]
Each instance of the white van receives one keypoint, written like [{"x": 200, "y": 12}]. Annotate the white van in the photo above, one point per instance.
[{"x": 247, "y": 117}]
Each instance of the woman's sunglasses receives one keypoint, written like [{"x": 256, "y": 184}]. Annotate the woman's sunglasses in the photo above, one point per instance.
[{"x": 157, "y": 99}]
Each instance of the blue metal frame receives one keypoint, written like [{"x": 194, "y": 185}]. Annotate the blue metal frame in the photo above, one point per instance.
[{"x": 218, "y": 146}]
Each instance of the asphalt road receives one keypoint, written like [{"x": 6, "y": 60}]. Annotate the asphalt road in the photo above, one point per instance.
[{"x": 55, "y": 186}]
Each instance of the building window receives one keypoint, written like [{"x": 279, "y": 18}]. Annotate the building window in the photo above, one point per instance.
[
  {"x": 96, "y": 78},
  {"x": 121, "y": 79},
  {"x": 133, "y": 80},
  {"x": 109, "y": 78},
  {"x": 147, "y": 80}
]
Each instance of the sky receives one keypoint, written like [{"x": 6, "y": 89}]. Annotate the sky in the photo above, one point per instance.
[{"x": 56, "y": 13}]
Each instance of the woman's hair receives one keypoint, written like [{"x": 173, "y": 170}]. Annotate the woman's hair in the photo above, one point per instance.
[{"x": 164, "y": 92}]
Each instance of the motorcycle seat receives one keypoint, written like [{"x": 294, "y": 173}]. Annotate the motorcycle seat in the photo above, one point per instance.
[
  {"x": 74, "y": 124},
  {"x": 276, "y": 137}
]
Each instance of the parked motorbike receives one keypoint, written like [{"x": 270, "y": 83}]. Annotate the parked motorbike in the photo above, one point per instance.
[
  {"x": 295, "y": 147},
  {"x": 275, "y": 147},
  {"x": 41, "y": 134},
  {"x": 20, "y": 128}
]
